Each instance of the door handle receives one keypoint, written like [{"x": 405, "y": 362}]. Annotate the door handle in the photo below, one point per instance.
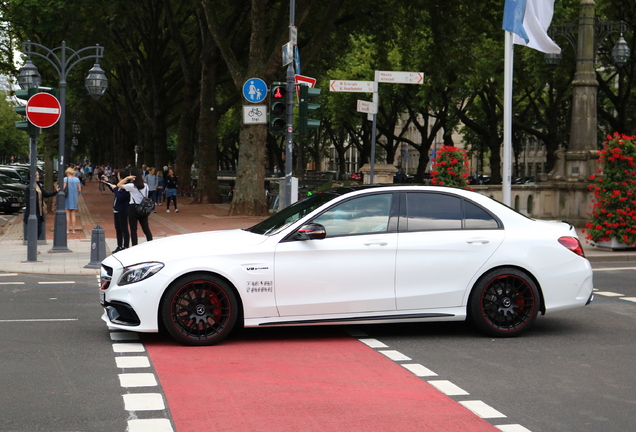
[
  {"x": 375, "y": 243},
  {"x": 478, "y": 241}
]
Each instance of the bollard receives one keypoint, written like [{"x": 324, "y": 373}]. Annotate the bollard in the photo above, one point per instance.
[{"x": 98, "y": 247}]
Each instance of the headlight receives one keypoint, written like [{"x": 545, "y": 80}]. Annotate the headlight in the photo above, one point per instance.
[{"x": 139, "y": 272}]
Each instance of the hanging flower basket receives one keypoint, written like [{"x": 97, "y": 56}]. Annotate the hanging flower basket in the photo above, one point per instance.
[{"x": 613, "y": 220}]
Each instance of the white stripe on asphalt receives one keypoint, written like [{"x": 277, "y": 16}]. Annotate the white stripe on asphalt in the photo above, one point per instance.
[
  {"x": 120, "y": 336},
  {"x": 39, "y": 320},
  {"x": 608, "y": 294},
  {"x": 373, "y": 343},
  {"x": 137, "y": 380},
  {"x": 8, "y": 274},
  {"x": 419, "y": 370},
  {"x": 149, "y": 425},
  {"x": 481, "y": 409},
  {"x": 629, "y": 299},
  {"x": 448, "y": 388},
  {"x": 614, "y": 268},
  {"x": 144, "y": 402},
  {"x": 132, "y": 362},
  {"x": 11, "y": 283},
  {"x": 395, "y": 355},
  {"x": 128, "y": 347},
  {"x": 512, "y": 428},
  {"x": 57, "y": 283}
]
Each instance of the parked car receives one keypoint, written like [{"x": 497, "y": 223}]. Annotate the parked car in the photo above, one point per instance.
[
  {"x": 10, "y": 202},
  {"x": 15, "y": 174},
  {"x": 525, "y": 180},
  {"x": 8, "y": 183},
  {"x": 363, "y": 254}
]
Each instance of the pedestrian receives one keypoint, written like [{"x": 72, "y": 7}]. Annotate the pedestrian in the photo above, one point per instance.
[
  {"x": 151, "y": 181},
  {"x": 73, "y": 188},
  {"x": 159, "y": 192},
  {"x": 171, "y": 190},
  {"x": 120, "y": 211},
  {"x": 40, "y": 206},
  {"x": 134, "y": 184}
]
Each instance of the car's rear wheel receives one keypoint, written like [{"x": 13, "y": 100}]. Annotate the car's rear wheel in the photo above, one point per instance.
[
  {"x": 504, "y": 302},
  {"x": 199, "y": 309}
]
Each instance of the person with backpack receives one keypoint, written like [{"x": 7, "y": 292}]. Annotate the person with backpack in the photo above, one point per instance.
[{"x": 138, "y": 190}]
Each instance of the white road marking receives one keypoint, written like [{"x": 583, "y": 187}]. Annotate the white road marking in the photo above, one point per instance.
[
  {"x": 512, "y": 428},
  {"x": 373, "y": 343},
  {"x": 419, "y": 370},
  {"x": 614, "y": 268},
  {"x": 119, "y": 336},
  {"x": 144, "y": 402},
  {"x": 395, "y": 355},
  {"x": 448, "y": 388},
  {"x": 149, "y": 425},
  {"x": 128, "y": 347},
  {"x": 40, "y": 320},
  {"x": 137, "y": 380},
  {"x": 608, "y": 294},
  {"x": 11, "y": 283},
  {"x": 8, "y": 274},
  {"x": 630, "y": 299},
  {"x": 57, "y": 283},
  {"x": 481, "y": 409},
  {"x": 132, "y": 362}
]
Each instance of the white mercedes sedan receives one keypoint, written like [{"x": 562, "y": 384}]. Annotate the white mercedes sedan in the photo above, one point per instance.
[{"x": 353, "y": 255}]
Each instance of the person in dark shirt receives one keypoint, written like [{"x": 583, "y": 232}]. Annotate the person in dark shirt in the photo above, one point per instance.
[
  {"x": 120, "y": 211},
  {"x": 171, "y": 182}
]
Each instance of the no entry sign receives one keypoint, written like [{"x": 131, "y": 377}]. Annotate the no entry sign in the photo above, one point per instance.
[{"x": 43, "y": 110}]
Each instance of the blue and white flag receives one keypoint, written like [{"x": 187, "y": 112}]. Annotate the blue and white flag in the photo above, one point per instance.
[{"x": 529, "y": 20}]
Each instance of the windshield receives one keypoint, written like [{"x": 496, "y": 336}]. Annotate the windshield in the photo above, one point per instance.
[{"x": 291, "y": 214}]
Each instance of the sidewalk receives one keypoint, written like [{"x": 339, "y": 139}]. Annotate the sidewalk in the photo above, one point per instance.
[{"x": 95, "y": 207}]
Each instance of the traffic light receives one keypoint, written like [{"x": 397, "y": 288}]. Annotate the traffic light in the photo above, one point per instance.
[
  {"x": 305, "y": 124},
  {"x": 278, "y": 108},
  {"x": 26, "y": 125}
]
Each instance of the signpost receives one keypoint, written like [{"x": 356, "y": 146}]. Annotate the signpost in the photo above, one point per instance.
[
  {"x": 400, "y": 77},
  {"x": 43, "y": 110},
  {"x": 367, "y": 107},
  {"x": 371, "y": 108},
  {"x": 354, "y": 86}
]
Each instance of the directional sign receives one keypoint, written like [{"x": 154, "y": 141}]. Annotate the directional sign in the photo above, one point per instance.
[
  {"x": 353, "y": 86},
  {"x": 254, "y": 90},
  {"x": 43, "y": 110},
  {"x": 367, "y": 107},
  {"x": 400, "y": 77}
]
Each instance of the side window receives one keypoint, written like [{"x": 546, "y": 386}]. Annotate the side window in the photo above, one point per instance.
[
  {"x": 478, "y": 218},
  {"x": 368, "y": 214},
  {"x": 433, "y": 211}
]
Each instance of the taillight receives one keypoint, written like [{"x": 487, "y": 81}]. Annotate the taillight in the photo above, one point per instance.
[{"x": 573, "y": 244}]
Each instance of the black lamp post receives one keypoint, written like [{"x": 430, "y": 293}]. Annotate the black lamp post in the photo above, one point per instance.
[{"x": 63, "y": 59}]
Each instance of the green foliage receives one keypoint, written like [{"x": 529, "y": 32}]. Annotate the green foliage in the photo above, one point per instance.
[{"x": 13, "y": 142}]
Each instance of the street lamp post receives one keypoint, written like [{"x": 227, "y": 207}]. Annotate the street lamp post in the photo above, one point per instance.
[
  {"x": 63, "y": 59},
  {"x": 585, "y": 36}
]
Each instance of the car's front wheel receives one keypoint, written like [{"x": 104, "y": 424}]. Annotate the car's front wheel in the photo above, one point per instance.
[
  {"x": 199, "y": 309},
  {"x": 504, "y": 302}
]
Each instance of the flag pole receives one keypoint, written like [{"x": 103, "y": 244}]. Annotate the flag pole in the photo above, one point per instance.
[{"x": 507, "y": 141}]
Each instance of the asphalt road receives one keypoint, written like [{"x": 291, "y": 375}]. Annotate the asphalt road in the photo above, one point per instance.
[{"x": 573, "y": 371}]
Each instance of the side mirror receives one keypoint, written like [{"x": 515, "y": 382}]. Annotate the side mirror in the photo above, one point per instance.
[{"x": 312, "y": 231}]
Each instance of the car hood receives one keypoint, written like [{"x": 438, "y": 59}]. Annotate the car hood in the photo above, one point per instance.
[{"x": 188, "y": 245}]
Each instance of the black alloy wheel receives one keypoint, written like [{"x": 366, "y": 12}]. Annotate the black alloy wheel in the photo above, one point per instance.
[
  {"x": 504, "y": 303},
  {"x": 199, "y": 309}
]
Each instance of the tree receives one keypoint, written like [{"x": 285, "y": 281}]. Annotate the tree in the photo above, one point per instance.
[{"x": 13, "y": 142}]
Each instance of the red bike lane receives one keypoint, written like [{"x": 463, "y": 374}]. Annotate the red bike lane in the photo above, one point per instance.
[{"x": 299, "y": 383}]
